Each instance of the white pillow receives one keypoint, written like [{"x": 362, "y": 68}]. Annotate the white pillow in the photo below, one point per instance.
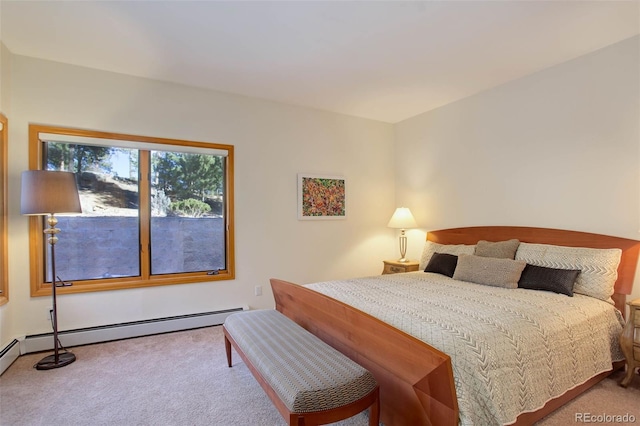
[
  {"x": 598, "y": 267},
  {"x": 430, "y": 247}
]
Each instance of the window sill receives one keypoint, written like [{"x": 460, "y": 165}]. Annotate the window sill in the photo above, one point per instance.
[{"x": 121, "y": 284}]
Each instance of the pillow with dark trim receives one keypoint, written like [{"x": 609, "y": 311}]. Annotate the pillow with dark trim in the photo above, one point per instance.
[
  {"x": 491, "y": 271},
  {"x": 598, "y": 267},
  {"x": 501, "y": 249},
  {"x": 548, "y": 279},
  {"x": 442, "y": 263}
]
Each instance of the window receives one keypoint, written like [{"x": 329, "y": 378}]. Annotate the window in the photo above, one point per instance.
[
  {"x": 154, "y": 211},
  {"x": 4, "y": 275}
]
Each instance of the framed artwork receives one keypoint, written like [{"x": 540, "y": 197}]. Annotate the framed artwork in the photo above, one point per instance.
[{"x": 321, "y": 197}]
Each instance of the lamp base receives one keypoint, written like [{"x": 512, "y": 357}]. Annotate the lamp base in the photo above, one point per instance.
[
  {"x": 49, "y": 362},
  {"x": 404, "y": 260}
]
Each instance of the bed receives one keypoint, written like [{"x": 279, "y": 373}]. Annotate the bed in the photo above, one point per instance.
[{"x": 424, "y": 381}]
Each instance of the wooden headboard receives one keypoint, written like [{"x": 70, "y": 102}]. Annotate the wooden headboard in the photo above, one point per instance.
[{"x": 626, "y": 270}]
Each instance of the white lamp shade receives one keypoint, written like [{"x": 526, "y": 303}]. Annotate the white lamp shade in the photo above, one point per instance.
[
  {"x": 402, "y": 219},
  {"x": 48, "y": 192}
]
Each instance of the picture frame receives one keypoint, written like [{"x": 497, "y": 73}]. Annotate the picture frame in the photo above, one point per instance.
[{"x": 321, "y": 197}]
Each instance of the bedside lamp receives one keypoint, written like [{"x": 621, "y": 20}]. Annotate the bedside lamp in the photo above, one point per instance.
[
  {"x": 402, "y": 219},
  {"x": 45, "y": 193}
]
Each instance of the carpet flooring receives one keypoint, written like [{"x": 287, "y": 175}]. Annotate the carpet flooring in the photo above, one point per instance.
[{"x": 182, "y": 378}]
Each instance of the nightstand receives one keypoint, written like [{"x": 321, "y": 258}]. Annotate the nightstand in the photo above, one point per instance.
[
  {"x": 630, "y": 341},
  {"x": 394, "y": 267}
]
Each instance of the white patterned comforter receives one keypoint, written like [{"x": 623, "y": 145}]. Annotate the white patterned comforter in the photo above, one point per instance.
[{"x": 511, "y": 350}]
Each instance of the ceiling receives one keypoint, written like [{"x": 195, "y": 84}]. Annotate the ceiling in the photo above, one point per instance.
[{"x": 382, "y": 60}]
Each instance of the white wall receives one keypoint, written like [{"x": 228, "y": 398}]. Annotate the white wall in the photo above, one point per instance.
[
  {"x": 5, "y": 79},
  {"x": 556, "y": 149},
  {"x": 273, "y": 142}
]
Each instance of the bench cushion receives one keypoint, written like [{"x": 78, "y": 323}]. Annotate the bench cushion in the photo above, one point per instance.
[{"x": 307, "y": 374}]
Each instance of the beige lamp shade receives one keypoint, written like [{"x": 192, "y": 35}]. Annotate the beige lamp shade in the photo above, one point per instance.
[
  {"x": 49, "y": 192},
  {"x": 402, "y": 219}
]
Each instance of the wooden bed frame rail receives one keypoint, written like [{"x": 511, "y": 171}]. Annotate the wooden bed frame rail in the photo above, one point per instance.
[{"x": 416, "y": 380}]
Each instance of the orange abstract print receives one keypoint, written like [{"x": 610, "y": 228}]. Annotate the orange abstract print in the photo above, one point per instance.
[{"x": 323, "y": 197}]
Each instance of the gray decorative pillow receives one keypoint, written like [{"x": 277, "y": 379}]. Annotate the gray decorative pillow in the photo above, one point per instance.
[
  {"x": 430, "y": 247},
  {"x": 598, "y": 267},
  {"x": 491, "y": 271},
  {"x": 442, "y": 263},
  {"x": 548, "y": 279},
  {"x": 502, "y": 249}
]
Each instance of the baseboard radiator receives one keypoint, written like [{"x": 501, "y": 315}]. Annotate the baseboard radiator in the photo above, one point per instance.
[
  {"x": 9, "y": 354},
  {"x": 105, "y": 333}
]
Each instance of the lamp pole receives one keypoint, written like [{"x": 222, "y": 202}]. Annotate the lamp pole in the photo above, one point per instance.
[{"x": 56, "y": 360}]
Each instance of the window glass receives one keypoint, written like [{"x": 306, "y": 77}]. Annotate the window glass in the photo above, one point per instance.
[
  {"x": 108, "y": 227},
  {"x": 187, "y": 212}
]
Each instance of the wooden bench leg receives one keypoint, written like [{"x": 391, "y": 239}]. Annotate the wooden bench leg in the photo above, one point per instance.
[
  {"x": 374, "y": 411},
  {"x": 227, "y": 346}
]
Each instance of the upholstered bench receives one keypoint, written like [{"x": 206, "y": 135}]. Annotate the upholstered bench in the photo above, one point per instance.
[{"x": 309, "y": 382}]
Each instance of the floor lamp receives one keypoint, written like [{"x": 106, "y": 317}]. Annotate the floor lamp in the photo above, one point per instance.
[{"x": 45, "y": 193}]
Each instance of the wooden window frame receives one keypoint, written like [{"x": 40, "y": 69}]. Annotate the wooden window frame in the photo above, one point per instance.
[
  {"x": 4, "y": 228},
  {"x": 39, "y": 287}
]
